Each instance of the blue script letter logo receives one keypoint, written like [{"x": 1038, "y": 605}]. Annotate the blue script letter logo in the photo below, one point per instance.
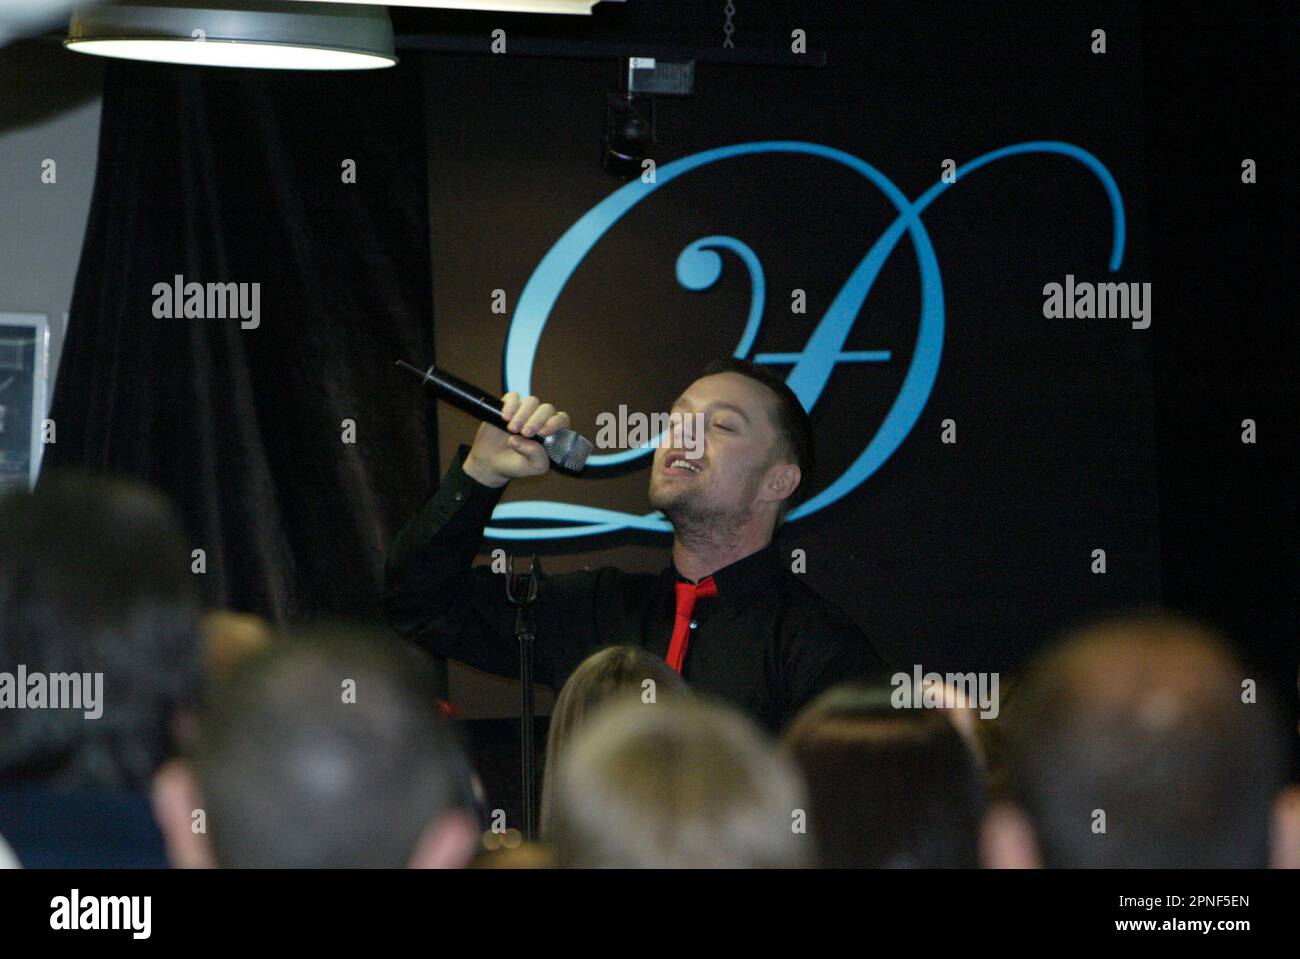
[{"x": 699, "y": 266}]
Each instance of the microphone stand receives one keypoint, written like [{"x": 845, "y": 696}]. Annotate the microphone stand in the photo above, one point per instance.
[{"x": 522, "y": 592}]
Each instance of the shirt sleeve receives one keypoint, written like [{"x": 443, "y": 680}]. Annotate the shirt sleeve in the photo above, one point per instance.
[
  {"x": 829, "y": 650},
  {"x": 436, "y": 597}
]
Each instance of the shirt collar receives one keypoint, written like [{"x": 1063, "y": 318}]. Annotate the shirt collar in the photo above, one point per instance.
[{"x": 746, "y": 575}]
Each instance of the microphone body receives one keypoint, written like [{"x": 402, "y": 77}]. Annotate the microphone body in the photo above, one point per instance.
[{"x": 566, "y": 448}]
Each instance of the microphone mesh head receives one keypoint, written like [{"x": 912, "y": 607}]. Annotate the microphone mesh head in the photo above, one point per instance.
[{"x": 568, "y": 448}]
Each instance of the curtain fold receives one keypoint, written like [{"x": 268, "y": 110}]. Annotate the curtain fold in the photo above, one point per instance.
[{"x": 293, "y": 448}]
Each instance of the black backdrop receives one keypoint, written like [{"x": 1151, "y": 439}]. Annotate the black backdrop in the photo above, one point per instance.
[
  {"x": 963, "y": 556},
  {"x": 1213, "y": 80}
]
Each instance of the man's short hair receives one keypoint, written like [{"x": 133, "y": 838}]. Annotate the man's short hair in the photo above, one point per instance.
[
  {"x": 95, "y": 578},
  {"x": 793, "y": 425},
  {"x": 888, "y": 788},
  {"x": 1142, "y": 720},
  {"x": 677, "y": 783},
  {"x": 327, "y": 750}
]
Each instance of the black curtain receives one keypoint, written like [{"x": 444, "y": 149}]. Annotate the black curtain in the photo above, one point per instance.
[{"x": 237, "y": 176}]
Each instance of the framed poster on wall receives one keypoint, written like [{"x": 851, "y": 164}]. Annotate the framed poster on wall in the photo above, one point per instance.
[{"x": 24, "y": 378}]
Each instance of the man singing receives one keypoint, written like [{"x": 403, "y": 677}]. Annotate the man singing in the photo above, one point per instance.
[{"x": 728, "y": 614}]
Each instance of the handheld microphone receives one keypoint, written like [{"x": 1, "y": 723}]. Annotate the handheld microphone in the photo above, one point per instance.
[{"x": 566, "y": 448}]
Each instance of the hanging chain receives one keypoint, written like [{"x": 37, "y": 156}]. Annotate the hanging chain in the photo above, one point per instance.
[{"x": 728, "y": 28}]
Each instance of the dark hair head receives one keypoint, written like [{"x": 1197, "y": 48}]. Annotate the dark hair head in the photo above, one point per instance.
[
  {"x": 327, "y": 750},
  {"x": 793, "y": 425},
  {"x": 888, "y": 788},
  {"x": 95, "y": 579},
  {"x": 1143, "y": 720}
]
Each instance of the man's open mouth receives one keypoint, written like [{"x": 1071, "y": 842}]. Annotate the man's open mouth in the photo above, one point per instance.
[{"x": 678, "y": 463}]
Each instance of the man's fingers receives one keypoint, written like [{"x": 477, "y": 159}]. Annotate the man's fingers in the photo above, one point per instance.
[
  {"x": 538, "y": 419},
  {"x": 560, "y": 421},
  {"x": 522, "y": 412},
  {"x": 532, "y": 451},
  {"x": 509, "y": 403}
]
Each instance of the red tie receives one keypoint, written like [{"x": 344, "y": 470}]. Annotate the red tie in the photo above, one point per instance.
[{"x": 687, "y": 594}]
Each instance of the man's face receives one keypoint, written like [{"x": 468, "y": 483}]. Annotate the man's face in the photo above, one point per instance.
[{"x": 716, "y": 480}]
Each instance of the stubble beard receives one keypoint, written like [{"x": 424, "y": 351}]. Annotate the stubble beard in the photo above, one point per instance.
[{"x": 697, "y": 523}]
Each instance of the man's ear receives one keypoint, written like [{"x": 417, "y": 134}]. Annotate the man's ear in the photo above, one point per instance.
[
  {"x": 1286, "y": 830},
  {"x": 175, "y": 800},
  {"x": 449, "y": 842},
  {"x": 781, "y": 482},
  {"x": 1007, "y": 840}
]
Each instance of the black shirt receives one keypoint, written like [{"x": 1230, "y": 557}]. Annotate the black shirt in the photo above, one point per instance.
[{"x": 766, "y": 642}]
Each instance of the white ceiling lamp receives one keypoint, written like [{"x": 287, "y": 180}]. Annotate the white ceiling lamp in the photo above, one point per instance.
[
  {"x": 579, "y": 7},
  {"x": 278, "y": 34}
]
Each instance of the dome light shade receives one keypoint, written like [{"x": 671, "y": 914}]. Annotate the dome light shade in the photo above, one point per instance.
[
  {"x": 582, "y": 7},
  {"x": 238, "y": 33}
]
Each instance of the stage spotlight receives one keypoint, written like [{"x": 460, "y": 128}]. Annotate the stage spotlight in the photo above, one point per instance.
[
  {"x": 630, "y": 115},
  {"x": 629, "y": 134}
]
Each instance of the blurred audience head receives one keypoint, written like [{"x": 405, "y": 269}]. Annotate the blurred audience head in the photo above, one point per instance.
[
  {"x": 1130, "y": 745},
  {"x": 529, "y": 855},
  {"x": 615, "y": 672},
  {"x": 7, "y": 858},
  {"x": 991, "y": 737},
  {"x": 679, "y": 783},
  {"x": 96, "y": 593},
  {"x": 324, "y": 750},
  {"x": 887, "y": 787},
  {"x": 228, "y": 639}
]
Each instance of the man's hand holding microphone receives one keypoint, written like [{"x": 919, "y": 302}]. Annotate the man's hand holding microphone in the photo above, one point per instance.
[{"x": 513, "y": 451}]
